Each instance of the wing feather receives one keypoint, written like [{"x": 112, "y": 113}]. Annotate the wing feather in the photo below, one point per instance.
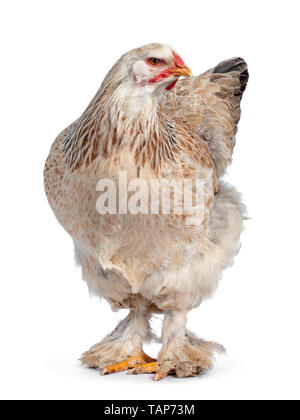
[{"x": 210, "y": 106}]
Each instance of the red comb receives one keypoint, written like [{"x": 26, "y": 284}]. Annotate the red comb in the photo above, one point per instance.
[{"x": 178, "y": 60}]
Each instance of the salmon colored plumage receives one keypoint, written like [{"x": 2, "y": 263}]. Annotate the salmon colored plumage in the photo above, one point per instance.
[{"x": 141, "y": 124}]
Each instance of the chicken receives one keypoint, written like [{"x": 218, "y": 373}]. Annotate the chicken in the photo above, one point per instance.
[{"x": 146, "y": 124}]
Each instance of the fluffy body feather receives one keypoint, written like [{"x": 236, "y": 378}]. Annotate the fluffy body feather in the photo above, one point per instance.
[{"x": 152, "y": 263}]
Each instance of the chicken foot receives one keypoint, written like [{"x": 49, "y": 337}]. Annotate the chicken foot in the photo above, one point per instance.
[
  {"x": 182, "y": 353},
  {"x": 134, "y": 362}
]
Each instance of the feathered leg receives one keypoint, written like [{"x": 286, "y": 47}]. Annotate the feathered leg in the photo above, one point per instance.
[
  {"x": 122, "y": 349},
  {"x": 182, "y": 353}
]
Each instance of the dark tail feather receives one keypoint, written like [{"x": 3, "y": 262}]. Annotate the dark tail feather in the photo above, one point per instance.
[{"x": 236, "y": 64}]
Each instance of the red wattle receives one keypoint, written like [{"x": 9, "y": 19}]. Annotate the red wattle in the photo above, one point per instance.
[{"x": 170, "y": 87}]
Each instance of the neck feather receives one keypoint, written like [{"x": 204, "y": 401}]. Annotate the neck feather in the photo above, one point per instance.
[{"x": 119, "y": 118}]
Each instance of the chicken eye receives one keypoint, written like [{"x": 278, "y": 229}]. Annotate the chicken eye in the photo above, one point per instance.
[{"x": 154, "y": 61}]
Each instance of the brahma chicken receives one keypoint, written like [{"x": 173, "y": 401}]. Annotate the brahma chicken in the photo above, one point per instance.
[{"x": 147, "y": 123}]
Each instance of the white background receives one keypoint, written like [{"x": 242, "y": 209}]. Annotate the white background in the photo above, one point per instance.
[{"x": 54, "y": 55}]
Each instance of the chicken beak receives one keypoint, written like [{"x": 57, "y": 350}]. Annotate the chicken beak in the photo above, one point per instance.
[
  {"x": 182, "y": 71},
  {"x": 173, "y": 71}
]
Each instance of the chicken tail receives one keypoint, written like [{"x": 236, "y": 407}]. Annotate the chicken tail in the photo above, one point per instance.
[{"x": 236, "y": 64}]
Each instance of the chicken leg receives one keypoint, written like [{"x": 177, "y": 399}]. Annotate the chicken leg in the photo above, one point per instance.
[
  {"x": 122, "y": 349},
  {"x": 182, "y": 353}
]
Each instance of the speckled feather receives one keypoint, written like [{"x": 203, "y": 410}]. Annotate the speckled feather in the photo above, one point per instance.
[{"x": 151, "y": 263}]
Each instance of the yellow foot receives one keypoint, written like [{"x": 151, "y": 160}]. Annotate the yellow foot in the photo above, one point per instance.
[
  {"x": 149, "y": 368},
  {"x": 131, "y": 363}
]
